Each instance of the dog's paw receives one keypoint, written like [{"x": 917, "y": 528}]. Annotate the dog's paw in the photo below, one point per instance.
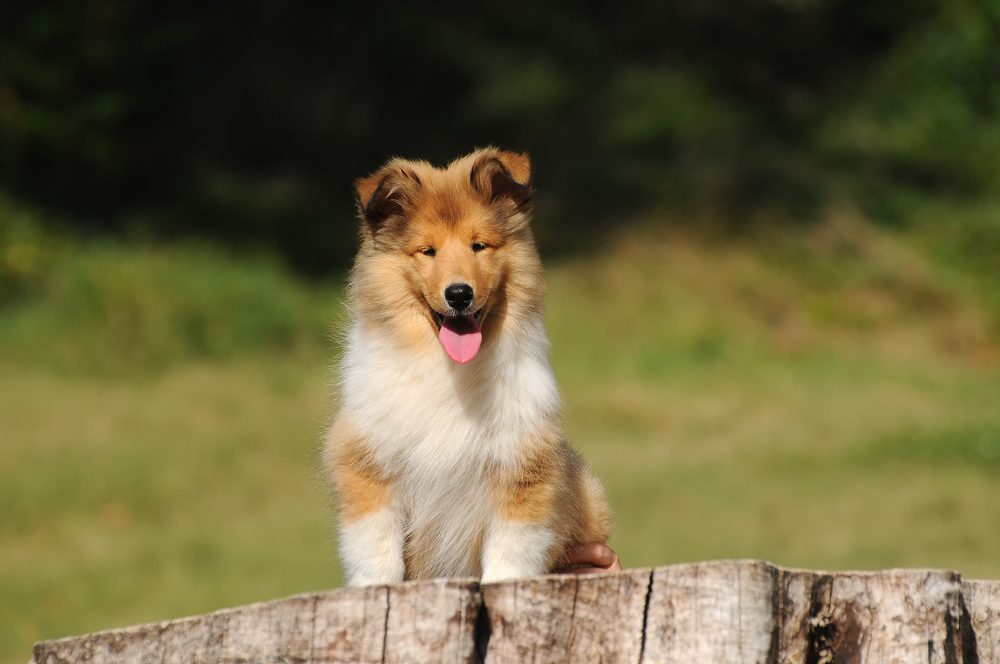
[
  {"x": 495, "y": 576},
  {"x": 515, "y": 550},
  {"x": 361, "y": 581}
]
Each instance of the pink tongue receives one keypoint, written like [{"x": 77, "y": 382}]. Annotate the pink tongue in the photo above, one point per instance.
[{"x": 460, "y": 337}]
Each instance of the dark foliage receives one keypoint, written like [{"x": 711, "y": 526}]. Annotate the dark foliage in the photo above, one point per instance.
[{"x": 248, "y": 121}]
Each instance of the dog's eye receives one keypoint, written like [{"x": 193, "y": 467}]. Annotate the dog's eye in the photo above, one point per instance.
[
  {"x": 478, "y": 246},
  {"x": 429, "y": 251}
]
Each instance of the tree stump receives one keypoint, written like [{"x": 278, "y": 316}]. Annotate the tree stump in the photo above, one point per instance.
[{"x": 729, "y": 611}]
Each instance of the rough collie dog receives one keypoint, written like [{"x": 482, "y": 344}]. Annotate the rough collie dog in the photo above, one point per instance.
[{"x": 447, "y": 456}]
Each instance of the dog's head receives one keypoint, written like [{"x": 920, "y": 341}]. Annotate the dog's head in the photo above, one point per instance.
[{"x": 444, "y": 251}]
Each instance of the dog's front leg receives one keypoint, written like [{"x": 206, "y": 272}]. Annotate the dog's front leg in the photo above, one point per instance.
[
  {"x": 516, "y": 548},
  {"x": 371, "y": 547},
  {"x": 371, "y": 520},
  {"x": 520, "y": 538}
]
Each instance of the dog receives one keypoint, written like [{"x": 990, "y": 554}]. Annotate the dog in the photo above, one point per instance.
[{"x": 447, "y": 456}]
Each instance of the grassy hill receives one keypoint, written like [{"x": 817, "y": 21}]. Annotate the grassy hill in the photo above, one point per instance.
[{"x": 823, "y": 396}]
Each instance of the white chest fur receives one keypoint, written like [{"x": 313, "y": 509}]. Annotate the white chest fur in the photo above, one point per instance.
[
  {"x": 427, "y": 414},
  {"x": 437, "y": 427}
]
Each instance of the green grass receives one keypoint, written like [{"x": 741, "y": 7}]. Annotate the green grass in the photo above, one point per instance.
[
  {"x": 821, "y": 398},
  {"x": 139, "y": 499}
]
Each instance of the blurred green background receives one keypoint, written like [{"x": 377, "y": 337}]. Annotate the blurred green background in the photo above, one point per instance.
[{"x": 771, "y": 228}]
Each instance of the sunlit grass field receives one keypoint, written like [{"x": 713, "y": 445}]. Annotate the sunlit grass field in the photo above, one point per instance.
[{"x": 827, "y": 396}]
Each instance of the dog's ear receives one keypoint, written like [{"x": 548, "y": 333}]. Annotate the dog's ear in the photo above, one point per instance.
[
  {"x": 501, "y": 175},
  {"x": 386, "y": 193}
]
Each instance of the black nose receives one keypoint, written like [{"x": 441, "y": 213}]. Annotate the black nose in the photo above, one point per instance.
[{"x": 459, "y": 296}]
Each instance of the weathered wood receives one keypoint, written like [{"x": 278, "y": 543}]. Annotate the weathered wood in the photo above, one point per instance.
[
  {"x": 711, "y": 612},
  {"x": 410, "y": 622},
  {"x": 897, "y": 616},
  {"x": 755, "y": 612},
  {"x": 730, "y": 611},
  {"x": 567, "y": 618},
  {"x": 982, "y": 604}
]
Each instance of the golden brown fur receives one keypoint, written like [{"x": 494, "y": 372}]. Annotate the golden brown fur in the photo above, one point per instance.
[{"x": 422, "y": 229}]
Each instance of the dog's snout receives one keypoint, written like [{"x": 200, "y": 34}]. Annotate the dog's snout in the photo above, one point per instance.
[{"x": 458, "y": 296}]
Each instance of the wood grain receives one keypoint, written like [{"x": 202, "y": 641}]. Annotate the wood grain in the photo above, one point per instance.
[
  {"x": 728, "y": 611},
  {"x": 431, "y": 621},
  {"x": 567, "y": 618}
]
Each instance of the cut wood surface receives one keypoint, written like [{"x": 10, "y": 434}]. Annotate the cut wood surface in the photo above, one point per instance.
[{"x": 729, "y": 611}]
